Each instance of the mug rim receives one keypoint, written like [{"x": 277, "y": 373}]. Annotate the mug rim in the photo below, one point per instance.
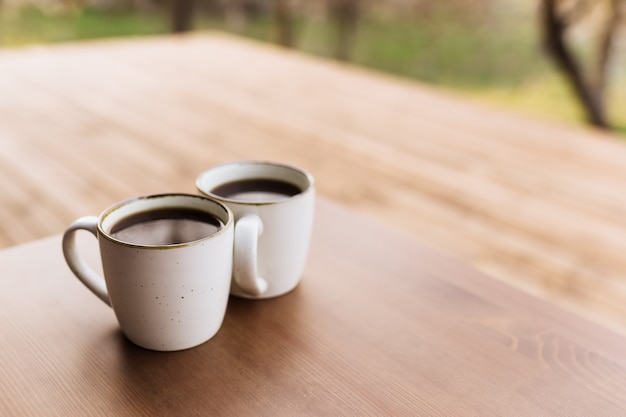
[
  {"x": 310, "y": 181},
  {"x": 112, "y": 208}
]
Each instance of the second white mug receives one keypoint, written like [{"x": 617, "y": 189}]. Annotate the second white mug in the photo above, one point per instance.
[{"x": 273, "y": 205}]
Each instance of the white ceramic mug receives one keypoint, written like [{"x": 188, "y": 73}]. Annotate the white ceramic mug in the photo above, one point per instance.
[
  {"x": 165, "y": 296},
  {"x": 272, "y": 234}
]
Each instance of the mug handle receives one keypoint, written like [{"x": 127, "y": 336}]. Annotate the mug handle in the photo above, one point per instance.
[
  {"x": 247, "y": 232},
  {"x": 79, "y": 267}
]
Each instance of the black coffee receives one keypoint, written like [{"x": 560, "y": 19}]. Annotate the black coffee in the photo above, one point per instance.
[
  {"x": 257, "y": 190},
  {"x": 166, "y": 227}
]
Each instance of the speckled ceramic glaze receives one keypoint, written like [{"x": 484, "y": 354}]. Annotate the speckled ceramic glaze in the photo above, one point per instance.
[
  {"x": 167, "y": 297},
  {"x": 271, "y": 237}
]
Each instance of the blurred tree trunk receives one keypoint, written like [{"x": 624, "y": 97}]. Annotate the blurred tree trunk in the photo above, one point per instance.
[
  {"x": 182, "y": 15},
  {"x": 589, "y": 89},
  {"x": 239, "y": 12},
  {"x": 236, "y": 17},
  {"x": 345, "y": 14},
  {"x": 607, "y": 41},
  {"x": 283, "y": 15},
  {"x": 144, "y": 6},
  {"x": 74, "y": 5}
]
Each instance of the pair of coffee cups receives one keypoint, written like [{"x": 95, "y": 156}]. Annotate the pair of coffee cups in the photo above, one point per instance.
[{"x": 170, "y": 261}]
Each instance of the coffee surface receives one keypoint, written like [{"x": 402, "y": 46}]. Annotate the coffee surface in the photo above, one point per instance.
[
  {"x": 257, "y": 190},
  {"x": 166, "y": 227}
]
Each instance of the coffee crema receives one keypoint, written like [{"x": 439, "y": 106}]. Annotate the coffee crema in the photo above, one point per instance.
[
  {"x": 257, "y": 190},
  {"x": 166, "y": 226}
]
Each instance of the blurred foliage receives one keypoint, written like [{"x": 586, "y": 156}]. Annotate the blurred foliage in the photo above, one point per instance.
[
  {"x": 489, "y": 49},
  {"x": 31, "y": 25},
  {"x": 451, "y": 54}
]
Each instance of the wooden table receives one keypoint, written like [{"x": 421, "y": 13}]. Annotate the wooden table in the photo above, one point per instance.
[
  {"x": 380, "y": 325},
  {"x": 531, "y": 202}
]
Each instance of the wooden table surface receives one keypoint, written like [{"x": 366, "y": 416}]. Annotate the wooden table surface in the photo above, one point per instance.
[
  {"x": 535, "y": 203},
  {"x": 380, "y": 325}
]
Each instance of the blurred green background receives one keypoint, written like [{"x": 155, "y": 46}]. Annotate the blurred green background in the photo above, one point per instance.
[{"x": 490, "y": 50}]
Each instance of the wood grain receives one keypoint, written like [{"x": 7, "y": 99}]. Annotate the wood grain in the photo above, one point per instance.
[
  {"x": 380, "y": 325},
  {"x": 527, "y": 201}
]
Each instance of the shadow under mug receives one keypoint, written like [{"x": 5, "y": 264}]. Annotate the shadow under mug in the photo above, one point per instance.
[
  {"x": 165, "y": 296},
  {"x": 272, "y": 232}
]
